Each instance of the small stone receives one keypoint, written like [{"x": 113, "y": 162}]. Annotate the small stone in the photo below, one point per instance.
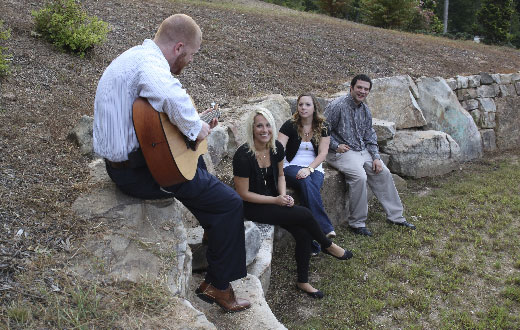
[{"x": 9, "y": 96}]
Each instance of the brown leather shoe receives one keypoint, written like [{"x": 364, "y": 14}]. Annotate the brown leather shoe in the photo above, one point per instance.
[{"x": 224, "y": 298}]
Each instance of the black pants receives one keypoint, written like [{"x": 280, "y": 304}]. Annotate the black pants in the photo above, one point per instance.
[
  {"x": 299, "y": 222},
  {"x": 216, "y": 206}
]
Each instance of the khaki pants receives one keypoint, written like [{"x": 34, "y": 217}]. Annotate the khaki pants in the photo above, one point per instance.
[{"x": 357, "y": 168}]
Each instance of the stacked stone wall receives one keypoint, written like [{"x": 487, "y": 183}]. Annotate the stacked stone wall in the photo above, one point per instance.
[{"x": 493, "y": 102}]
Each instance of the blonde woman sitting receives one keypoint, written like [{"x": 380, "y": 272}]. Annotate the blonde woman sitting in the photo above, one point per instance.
[{"x": 259, "y": 180}]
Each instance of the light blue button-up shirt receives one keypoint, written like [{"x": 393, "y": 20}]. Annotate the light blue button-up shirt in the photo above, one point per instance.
[{"x": 141, "y": 71}]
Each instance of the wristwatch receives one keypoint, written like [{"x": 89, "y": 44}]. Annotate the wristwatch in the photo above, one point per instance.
[{"x": 311, "y": 169}]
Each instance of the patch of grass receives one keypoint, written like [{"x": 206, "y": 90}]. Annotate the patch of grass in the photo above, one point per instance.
[
  {"x": 512, "y": 292},
  {"x": 450, "y": 273},
  {"x": 83, "y": 306},
  {"x": 5, "y": 59},
  {"x": 69, "y": 304},
  {"x": 147, "y": 298},
  {"x": 19, "y": 314}
]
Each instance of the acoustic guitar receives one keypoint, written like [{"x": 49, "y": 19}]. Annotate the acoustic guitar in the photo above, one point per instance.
[{"x": 171, "y": 157}]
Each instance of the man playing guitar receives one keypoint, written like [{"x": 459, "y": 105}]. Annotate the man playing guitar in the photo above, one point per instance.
[{"x": 145, "y": 71}]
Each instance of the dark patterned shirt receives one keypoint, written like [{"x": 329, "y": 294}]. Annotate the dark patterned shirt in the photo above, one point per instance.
[{"x": 351, "y": 124}]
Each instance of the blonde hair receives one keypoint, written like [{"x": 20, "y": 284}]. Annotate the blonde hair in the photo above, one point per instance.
[
  {"x": 178, "y": 28},
  {"x": 318, "y": 119},
  {"x": 250, "y": 122}
]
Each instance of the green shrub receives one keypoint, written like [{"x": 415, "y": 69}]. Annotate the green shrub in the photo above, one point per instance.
[
  {"x": 389, "y": 14},
  {"x": 4, "y": 58},
  {"x": 68, "y": 26},
  {"x": 494, "y": 21}
]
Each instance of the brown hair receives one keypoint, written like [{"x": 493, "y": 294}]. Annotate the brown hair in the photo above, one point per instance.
[{"x": 318, "y": 120}]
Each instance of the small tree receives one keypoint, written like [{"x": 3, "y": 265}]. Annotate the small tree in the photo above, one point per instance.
[
  {"x": 348, "y": 9},
  {"x": 494, "y": 21},
  {"x": 389, "y": 14}
]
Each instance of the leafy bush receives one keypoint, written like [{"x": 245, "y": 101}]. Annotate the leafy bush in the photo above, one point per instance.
[
  {"x": 4, "y": 58},
  {"x": 424, "y": 19},
  {"x": 459, "y": 36},
  {"x": 348, "y": 9},
  {"x": 68, "y": 26},
  {"x": 408, "y": 15}
]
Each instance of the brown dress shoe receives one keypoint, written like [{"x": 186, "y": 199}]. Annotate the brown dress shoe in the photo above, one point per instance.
[{"x": 224, "y": 298}]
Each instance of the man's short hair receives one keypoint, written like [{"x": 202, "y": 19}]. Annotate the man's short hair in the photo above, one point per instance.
[
  {"x": 362, "y": 77},
  {"x": 178, "y": 28}
]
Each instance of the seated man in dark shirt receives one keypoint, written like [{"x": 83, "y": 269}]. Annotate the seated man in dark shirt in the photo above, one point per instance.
[{"x": 353, "y": 150}]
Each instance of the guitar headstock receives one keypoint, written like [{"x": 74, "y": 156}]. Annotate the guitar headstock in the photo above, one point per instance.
[{"x": 215, "y": 113}]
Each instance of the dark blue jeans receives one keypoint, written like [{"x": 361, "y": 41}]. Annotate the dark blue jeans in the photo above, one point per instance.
[
  {"x": 310, "y": 196},
  {"x": 217, "y": 207}
]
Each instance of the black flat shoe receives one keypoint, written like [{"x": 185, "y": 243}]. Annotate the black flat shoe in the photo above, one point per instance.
[
  {"x": 347, "y": 255},
  {"x": 361, "y": 231},
  {"x": 403, "y": 224},
  {"x": 315, "y": 295}
]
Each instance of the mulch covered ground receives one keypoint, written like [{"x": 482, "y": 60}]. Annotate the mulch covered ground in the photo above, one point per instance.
[{"x": 250, "y": 48}]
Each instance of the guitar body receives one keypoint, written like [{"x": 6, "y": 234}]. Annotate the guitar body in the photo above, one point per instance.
[{"x": 164, "y": 147}]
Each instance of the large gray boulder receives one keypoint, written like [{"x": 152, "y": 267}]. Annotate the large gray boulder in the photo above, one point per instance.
[
  {"x": 507, "y": 122},
  {"x": 334, "y": 194},
  {"x": 132, "y": 239},
  {"x": 218, "y": 141},
  {"x": 291, "y": 100},
  {"x": 259, "y": 316},
  {"x": 146, "y": 241},
  {"x": 275, "y": 103},
  {"x": 443, "y": 112},
  {"x": 384, "y": 129},
  {"x": 199, "y": 262},
  {"x": 261, "y": 266},
  {"x": 394, "y": 99},
  {"x": 422, "y": 153},
  {"x": 81, "y": 135}
]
